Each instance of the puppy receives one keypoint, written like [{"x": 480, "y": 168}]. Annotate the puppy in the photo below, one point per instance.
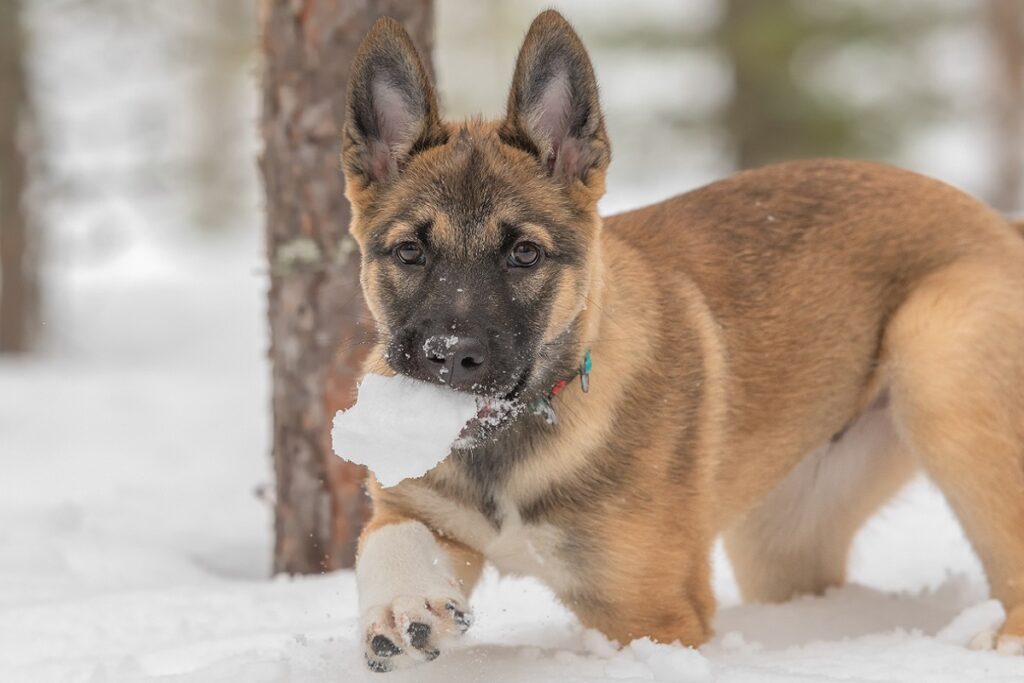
[{"x": 770, "y": 358}]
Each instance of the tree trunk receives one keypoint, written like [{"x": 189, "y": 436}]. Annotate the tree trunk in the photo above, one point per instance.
[
  {"x": 18, "y": 289},
  {"x": 319, "y": 327},
  {"x": 1005, "y": 23}
]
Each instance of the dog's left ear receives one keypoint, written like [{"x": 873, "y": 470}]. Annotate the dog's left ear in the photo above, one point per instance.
[{"x": 553, "y": 108}]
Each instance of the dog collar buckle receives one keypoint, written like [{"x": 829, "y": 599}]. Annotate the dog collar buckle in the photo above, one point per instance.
[{"x": 542, "y": 407}]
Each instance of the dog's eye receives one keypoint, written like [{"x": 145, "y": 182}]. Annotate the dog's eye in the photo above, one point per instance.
[
  {"x": 410, "y": 253},
  {"x": 524, "y": 255}
]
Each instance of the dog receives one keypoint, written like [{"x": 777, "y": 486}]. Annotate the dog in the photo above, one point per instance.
[{"x": 768, "y": 358}]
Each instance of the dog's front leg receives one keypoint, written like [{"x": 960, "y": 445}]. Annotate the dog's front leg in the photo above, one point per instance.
[
  {"x": 413, "y": 591},
  {"x": 656, "y": 586}
]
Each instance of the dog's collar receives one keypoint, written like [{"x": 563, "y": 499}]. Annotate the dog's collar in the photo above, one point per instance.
[{"x": 544, "y": 408}]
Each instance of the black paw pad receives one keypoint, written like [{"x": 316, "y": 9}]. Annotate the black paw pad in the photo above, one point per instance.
[
  {"x": 419, "y": 635},
  {"x": 460, "y": 618},
  {"x": 383, "y": 647},
  {"x": 378, "y": 666}
]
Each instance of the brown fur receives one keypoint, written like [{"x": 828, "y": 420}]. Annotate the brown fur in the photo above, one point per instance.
[{"x": 735, "y": 330}]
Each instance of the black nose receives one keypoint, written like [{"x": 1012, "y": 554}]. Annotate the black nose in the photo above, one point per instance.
[{"x": 459, "y": 362}]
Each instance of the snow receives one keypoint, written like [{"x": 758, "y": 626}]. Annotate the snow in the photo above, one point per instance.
[{"x": 401, "y": 427}]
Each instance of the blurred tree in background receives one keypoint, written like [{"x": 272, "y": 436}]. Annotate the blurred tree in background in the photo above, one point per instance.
[
  {"x": 19, "y": 302},
  {"x": 150, "y": 110},
  {"x": 1004, "y": 21},
  {"x": 780, "y": 49},
  {"x": 219, "y": 36},
  {"x": 861, "y": 79}
]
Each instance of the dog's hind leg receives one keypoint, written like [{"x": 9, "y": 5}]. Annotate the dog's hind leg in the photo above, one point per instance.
[
  {"x": 955, "y": 355},
  {"x": 797, "y": 539}
]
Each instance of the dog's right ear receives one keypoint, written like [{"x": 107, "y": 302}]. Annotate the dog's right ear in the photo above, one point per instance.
[
  {"x": 553, "y": 108},
  {"x": 392, "y": 110}
]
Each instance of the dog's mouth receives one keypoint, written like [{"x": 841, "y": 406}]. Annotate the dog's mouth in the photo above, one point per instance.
[{"x": 494, "y": 413}]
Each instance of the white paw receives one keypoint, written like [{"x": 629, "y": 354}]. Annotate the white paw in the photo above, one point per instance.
[
  {"x": 1004, "y": 644},
  {"x": 410, "y": 602},
  {"x": 411, "y": 630}
]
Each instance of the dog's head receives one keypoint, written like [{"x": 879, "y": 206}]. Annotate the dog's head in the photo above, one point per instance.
[{"x": 478, "y": 239}]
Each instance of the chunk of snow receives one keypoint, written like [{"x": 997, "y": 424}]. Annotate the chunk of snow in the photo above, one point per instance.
[
  {"x": 401, "y": 427},
  {"x": 644, "y": 659},
  {"x": 734, "y": 641},
  {"x": 597, "y": 644},
  {"x": 669, "y": 663}
]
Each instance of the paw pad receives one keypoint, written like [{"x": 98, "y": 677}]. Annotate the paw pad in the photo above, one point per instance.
[
  {"x": 383, "y": 647},
  {"x": 417, "y": 635},
  {"x": 462, "y": 620},
  {"x": 411, "y": 630}
]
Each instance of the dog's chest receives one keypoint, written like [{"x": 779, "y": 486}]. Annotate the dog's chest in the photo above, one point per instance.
[
  {"x": 511, "y": 545},
  {"x": 529, "y": 549}
]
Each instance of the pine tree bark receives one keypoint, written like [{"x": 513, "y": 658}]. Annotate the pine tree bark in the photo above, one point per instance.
[
  {"x": 319, "y": 328},
  {"x": 18, "y": 286}
]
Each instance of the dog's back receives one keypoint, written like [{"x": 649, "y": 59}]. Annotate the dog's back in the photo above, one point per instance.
[{"x": 803, "y": 264}]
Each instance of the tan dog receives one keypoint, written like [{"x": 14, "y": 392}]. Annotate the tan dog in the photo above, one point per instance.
[{"x": 773, "y": 356}]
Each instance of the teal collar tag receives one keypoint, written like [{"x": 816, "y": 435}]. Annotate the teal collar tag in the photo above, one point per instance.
[{"x": 585, "y": 372}]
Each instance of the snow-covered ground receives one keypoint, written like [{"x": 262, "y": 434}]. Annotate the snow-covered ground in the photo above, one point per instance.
[{"x": 134, "y": 546}]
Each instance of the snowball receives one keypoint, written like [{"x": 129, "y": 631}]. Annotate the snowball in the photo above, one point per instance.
[
  {"x": 645, "y": 659},
  {"x": 401, "y": 427},
  {"x": 735, "y": 641},
  {"x": 597, "y": 644}
]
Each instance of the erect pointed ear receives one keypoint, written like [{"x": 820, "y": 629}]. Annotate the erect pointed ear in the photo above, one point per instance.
[
  {"x": 553, "y": 108},
  {"x": 392, "y": 110}
]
